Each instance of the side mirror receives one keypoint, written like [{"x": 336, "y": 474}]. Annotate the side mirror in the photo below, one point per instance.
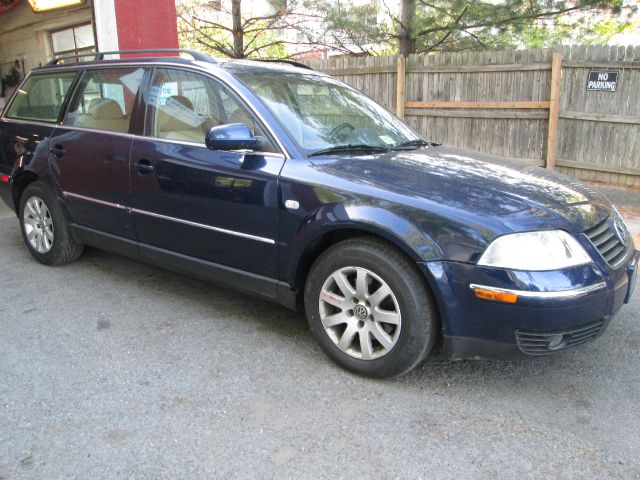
[{"x": 232, "y": 136}]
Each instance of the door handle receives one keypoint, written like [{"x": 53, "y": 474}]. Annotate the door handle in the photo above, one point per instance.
[
  {"x": 57, "y": 151},
  {"x": 143, "y": 166}
]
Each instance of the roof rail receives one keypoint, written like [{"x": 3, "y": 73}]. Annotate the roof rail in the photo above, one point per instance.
[
  {"x": 203, "y": 57},
  {"x": 276, "y": 60}
]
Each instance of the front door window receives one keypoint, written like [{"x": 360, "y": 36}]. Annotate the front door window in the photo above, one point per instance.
[{"x": 184, "y": 105}]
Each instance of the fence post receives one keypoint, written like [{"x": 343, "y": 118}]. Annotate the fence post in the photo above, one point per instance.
[
  {"x": 554, "y": 110},
  {"x": 400, "y": 86}
]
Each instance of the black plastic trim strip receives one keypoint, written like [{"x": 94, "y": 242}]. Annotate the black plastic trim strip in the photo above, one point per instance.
[{"x": 246, "y": 282}]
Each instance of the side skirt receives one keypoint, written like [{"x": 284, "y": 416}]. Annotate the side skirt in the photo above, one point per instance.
[{"x": 256, "y": 285}]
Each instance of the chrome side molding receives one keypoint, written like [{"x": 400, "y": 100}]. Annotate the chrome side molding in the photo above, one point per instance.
[{"x": 171, "y": 219}]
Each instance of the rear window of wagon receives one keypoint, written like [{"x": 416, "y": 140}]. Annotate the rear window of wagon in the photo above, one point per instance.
[{"x": 41, "y": 97}]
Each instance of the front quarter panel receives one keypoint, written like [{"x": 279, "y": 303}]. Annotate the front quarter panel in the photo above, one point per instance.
[{"x": 326, "y": 203}]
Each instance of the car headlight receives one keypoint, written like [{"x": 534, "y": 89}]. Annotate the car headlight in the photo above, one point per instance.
[{"x": 535, "y": 251}]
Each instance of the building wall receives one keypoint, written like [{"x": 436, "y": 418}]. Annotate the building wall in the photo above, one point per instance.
[
  {"x": 24, "y": 35},
  {"x": 146, "y": 24}
]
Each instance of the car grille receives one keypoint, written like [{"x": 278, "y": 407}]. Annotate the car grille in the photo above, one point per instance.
[
  {"x": 537, "y": 343},
  {"x": 604, "y": 237}
]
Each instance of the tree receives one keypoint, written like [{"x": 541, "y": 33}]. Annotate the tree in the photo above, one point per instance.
[
  {"x": 283, "y": 28},
  {"x": 468, "y": 25},
  {"x": 406, "y": 25},
  {"x": 606, "y": 29},
  {"x": 346, "y": 29},
  {"x": 423, "y": 26},
  {"x": 224, "y": 28}
]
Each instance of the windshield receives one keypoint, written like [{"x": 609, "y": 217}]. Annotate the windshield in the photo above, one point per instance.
[{"x": 322, "y": 114}]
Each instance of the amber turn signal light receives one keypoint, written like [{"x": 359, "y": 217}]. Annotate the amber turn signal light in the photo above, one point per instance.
[{"x": 504, "y": 297}]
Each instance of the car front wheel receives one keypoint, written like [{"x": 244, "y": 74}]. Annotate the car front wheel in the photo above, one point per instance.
[{"x": 369, "y": 308}]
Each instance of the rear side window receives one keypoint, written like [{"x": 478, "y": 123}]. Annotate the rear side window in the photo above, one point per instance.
[
  {"x": 41, "y": 97},
  {"x": 104, "y": 99}
]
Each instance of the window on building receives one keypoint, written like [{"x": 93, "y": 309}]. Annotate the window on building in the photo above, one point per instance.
[
  {"x": 104, "y": 99},
  {"x": 73, "y": 41},
  {"x": 41, "y": 97}
]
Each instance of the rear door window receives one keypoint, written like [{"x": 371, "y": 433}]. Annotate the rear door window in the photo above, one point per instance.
[
  {"x": 104, "y": 99},
  {"x": 41, "y": 97}
]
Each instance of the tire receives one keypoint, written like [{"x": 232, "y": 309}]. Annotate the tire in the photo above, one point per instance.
[
  {"x": 385, "y": 324},
  {"x": 44, "y": 228}
]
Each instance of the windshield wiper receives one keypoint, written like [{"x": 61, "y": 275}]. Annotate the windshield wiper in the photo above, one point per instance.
[
  {"x": 354, "y": 147},
  {"x": 413, "y": 143}
]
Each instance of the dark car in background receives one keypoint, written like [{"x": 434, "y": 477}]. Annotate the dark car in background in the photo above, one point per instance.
[{"x": 285, "y": 183}]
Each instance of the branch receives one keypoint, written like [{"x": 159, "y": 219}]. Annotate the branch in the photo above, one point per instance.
[
  {"x": 266, "y": 18},
  {"x": 210, "y": 24},
  {"x": 505, "y": 20},
  {"x": 448, "y": 34},
  {"x": 260, "y": 47},
  {"x": 477, "y": 39},
  {"x": 217, "y": 46}
]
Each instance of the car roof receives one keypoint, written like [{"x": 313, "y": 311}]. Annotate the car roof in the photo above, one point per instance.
[
  {"x": 233, "y": 66},
  {"x": 264, "y": 66}
]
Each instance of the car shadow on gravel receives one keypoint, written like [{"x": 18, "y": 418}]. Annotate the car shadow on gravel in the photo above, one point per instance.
[{"x": 275, "y": 321}]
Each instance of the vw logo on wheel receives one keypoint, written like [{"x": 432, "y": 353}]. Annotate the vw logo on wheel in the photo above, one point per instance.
[
  {"x": 621, "y": 232},
  {"x": 360, "y": 311}
]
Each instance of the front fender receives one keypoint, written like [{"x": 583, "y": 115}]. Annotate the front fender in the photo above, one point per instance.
[
  {"x": 316, "y": 204},
  {"x": 347, "y": 218}
]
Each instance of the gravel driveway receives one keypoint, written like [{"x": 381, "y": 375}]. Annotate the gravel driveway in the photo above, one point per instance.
[{"x": 113, "y": 369}]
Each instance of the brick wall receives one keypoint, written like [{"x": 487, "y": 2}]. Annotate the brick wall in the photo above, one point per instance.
[{"x": 146, "y": 24}]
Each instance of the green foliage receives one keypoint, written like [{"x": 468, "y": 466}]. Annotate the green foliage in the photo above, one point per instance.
[
  {"x": 370, "y": 28},
  {"x": 347, "y": 27},
  {"x": 602, "y": 32},
  {"x": 454, "y": 25},
  {"x": 541, "y": 36},
  {"x": 462, "y": 25},
  {"x": 583, "y": 30}
]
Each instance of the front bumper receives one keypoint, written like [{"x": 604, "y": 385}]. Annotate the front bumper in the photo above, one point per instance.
[{"x": 554, "y": 311}]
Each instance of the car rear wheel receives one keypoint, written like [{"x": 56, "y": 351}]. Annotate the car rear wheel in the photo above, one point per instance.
[
  {"x": 44, "y": 228},
  {"x": 369, "y": 308}
]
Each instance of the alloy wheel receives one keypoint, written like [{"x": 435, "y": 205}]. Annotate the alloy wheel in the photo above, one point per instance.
[
  {"x": 38, "y": 225},
  {"x": 360, "y": 313}
]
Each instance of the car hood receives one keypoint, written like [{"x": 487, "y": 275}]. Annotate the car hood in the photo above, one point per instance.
[{"x": 520, "y": 196}]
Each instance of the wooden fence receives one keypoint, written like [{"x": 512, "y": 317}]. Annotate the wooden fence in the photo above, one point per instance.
[{"x": 532, "y": 105}]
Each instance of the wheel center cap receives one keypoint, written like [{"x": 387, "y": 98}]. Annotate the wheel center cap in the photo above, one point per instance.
[{"x": 360, "y": 312}]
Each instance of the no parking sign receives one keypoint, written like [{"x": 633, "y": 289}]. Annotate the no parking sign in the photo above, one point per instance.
[{"x": 600, "y": 81}]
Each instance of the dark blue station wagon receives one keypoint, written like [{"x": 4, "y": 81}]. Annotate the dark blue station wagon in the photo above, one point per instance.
[{"x": 285, "y": 183}]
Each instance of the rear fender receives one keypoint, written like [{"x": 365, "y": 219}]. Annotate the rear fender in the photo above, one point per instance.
[{"x": 32, "y": 165}]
